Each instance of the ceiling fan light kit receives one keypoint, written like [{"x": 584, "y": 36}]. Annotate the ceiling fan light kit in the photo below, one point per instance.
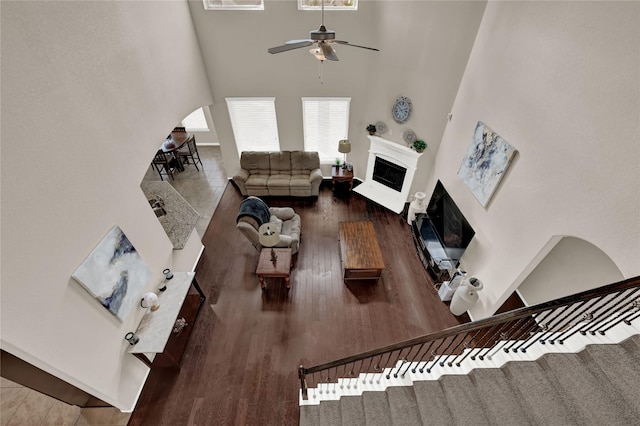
[{"x": 323, "y": 38}]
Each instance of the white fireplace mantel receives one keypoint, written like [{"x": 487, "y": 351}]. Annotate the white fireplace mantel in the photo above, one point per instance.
[{"x": 397, "y": 154}]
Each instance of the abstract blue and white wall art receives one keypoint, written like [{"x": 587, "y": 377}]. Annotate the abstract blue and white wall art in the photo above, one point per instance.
[
  {"x": 485, "y": 162},
  {"x": 114, "y": 273}
]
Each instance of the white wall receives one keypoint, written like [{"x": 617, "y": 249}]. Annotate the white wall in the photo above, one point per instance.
[
  {"x": 573, "y": 265},
  {"x": 89, "y": 91},
  {"x": 425, "y": 47},
  {"x": 559, "y": 81}
]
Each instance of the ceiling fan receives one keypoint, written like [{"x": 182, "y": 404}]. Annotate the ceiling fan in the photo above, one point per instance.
[{"x": 323, "y": 38}]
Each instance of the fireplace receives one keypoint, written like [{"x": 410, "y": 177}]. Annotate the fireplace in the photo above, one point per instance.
[{"x": 389, "y": 173}]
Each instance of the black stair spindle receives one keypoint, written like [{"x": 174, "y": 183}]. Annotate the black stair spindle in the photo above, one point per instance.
[{"x": 621, "y": 303}]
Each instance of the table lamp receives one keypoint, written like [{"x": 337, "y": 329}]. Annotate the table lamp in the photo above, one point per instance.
[
  {"x": 344, "y": 146},
  {"x": 150, "y": 300},
  {"x": 269, "y": 235}
]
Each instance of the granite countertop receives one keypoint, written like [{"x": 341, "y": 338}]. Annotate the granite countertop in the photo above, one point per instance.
[
  {"x": 155, "y": 327},
  {"x": 180, "y": 219}
]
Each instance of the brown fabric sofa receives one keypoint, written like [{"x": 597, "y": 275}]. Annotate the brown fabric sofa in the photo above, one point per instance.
[{"x": 294, "y": 173}]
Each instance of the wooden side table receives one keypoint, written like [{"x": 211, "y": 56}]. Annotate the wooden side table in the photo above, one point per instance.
[
  {"x": 281, "y": 268},
  {"x": 338, "y": 174}
]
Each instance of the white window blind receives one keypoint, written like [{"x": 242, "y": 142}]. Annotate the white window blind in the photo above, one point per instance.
[
  {"x": 325, "y": 122},
  {"x": 196, "y": 121},
  {"x": 254, "y": 123},
  {"x": 328, "y": 4},
  {"x": 233, "y": 4}
]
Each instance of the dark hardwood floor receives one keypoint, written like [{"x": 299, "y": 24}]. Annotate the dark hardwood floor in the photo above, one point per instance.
[{"x": 240, "y": 365}]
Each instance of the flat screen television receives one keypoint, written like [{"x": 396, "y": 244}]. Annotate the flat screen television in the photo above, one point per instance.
[{"x": 446, "y": 233}]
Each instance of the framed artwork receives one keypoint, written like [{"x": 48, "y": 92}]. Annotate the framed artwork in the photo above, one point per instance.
[
  {"x": 114, "y": 273},
  {"x": 485, "y": 162}
]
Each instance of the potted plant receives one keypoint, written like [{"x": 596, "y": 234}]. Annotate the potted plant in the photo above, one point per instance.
[
  {"x": 419, "y": 145},
  {"x": 371, "y": 128},
  {"x": 337, "y": 162}
]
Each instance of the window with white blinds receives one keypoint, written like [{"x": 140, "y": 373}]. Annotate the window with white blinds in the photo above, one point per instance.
[
  {"x": 233, "y": 4},
  {"x": 254, "y": 123},
  {"x": 325, "y": 122}
]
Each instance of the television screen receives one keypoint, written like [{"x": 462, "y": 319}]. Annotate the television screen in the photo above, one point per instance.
[{"x": 451, "y": 227}]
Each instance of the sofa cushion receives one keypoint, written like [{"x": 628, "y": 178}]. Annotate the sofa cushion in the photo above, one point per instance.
[
  {"x": 292, "y": 228},
  {"x": 285, "y": 241},
  {"x": 303, "y": 162},
  {"x": 259, "y": 181},
  {"x": 256, "y": 162},
  {"x": 300, "y": 181},
  {"x": 277, "y": 222},
  {"x": 280, "y": 162},
  {"x": 279, "y": 181}
]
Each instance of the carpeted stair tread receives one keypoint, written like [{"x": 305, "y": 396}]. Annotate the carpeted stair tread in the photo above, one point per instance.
[
  {"x": 463, "y": 400},
  {"x": 403, "y": 406},
  {"x": 376, "y": 409},
  {"x": 632, "y": 345},
  {"x": 309, "y": 415},
  {"x": 500, "y": 399},
  {"x": 330, "y": 413},
  {"x": 599, "y": 385},
  {"x": 537, "y": 395},
  {"x": 432, "y": 403},
  {"x": 616, "y": 369},
  {"x": 352, "y": 411},
  {"x": 592, "y": 402}
]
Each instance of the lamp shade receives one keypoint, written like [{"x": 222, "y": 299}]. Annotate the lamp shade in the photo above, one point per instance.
[
  {"x": 149, "y": 300},
  {"x": 268, "y": 235},
  {"x": 344, "y": 146}
]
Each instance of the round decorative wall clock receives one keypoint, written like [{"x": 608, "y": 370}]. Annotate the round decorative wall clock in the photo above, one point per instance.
[{"x": 401, "y": 109}]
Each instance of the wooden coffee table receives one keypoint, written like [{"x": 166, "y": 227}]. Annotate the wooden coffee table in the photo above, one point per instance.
[
  {"x": 359, "y": 251},
  {"x": 281, "y": 269}
]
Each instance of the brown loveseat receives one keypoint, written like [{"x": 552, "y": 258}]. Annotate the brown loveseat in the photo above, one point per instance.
[{"x": 295, "y": 173}]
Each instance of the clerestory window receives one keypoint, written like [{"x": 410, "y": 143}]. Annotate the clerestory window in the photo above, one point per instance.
[
  {"x": 328, "y": 4},
  {"x": 233, "y": 4}
]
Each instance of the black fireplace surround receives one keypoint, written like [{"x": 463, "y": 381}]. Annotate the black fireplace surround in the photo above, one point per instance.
[{"x": 389, "y": 174}]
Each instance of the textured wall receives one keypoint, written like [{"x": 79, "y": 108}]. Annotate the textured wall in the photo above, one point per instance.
[
  {"x": 89, "y": 91},
  {"x": 559, "y": 81}
]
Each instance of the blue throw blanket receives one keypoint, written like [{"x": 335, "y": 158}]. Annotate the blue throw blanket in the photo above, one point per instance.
[{"x": 255, "y": 208}]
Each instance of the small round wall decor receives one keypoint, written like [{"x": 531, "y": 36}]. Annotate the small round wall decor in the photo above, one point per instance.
[{"x": 409, "y": 137}]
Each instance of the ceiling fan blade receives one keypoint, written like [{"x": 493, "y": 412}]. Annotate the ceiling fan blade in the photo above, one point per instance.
[
  {"x": 346, "y": 43},
  {"x": 290, "y": 45},
  {"x": 328, "y": 52}
]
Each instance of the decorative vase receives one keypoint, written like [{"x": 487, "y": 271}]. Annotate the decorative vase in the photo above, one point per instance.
[
  {"x": 419, "y": 198},
  {"x": 465, "y": 296}
]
